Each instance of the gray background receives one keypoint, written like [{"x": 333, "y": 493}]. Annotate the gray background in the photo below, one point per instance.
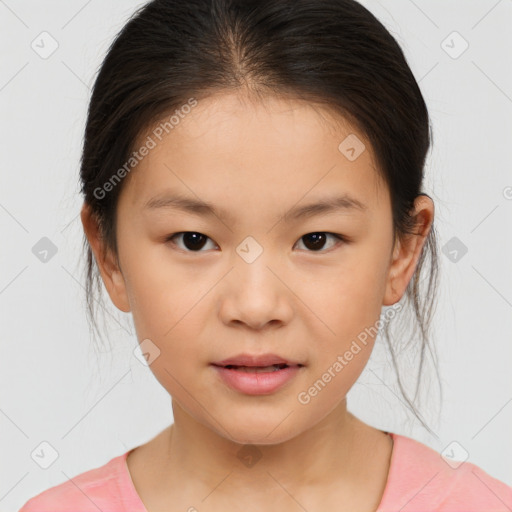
[{"x": 89, "y": 407}]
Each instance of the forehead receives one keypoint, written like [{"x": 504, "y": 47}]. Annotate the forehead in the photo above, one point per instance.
[{"x": 238, "y": 150}]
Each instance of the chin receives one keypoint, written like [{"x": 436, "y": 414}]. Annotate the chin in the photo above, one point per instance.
[{"x": 258, "y": 429}]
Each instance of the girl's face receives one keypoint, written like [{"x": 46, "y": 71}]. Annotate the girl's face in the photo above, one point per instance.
[{"x": 258, "y": 273}]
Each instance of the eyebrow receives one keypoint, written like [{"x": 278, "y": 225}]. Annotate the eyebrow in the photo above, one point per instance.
[{"x": 344, "y": 202}]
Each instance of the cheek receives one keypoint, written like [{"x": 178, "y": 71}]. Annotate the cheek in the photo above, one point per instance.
[
  {"x": 347, "y": 299},
  {"x": 347, "y": 306},
  {"x": 170, "y": 309},
  {"x": 167, "y": 314},
  {"x": 159, "y": 295},
  {"x": 174, "y": 325}
]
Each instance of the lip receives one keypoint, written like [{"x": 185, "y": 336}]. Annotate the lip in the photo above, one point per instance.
[
  {"x": 261, "y": 383},
  {"x": 256, "y": 383},
  {"x": 256, "y": 360}
]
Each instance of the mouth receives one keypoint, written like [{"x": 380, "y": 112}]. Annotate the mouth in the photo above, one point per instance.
[
  {"x": 258, "y": 369},
  {"x": 257, "y": 375},
  {"x": 271, "y": 361}
]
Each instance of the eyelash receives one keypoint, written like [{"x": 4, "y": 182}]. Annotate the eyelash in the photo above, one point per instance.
[{"x": 341, "y": 238}]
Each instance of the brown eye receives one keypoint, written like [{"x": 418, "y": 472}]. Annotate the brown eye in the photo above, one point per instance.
[
  {"x": 192, "y": 240},
  {"x": 316, "y": 241}
]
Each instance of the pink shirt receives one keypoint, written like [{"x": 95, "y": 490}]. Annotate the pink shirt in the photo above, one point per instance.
[{"x": 419, "y": 480}]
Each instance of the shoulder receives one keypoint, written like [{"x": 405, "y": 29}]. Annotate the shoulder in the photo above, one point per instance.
[
  {"x": 100, "y": 488},
  {"x": 421, "y": 479}
]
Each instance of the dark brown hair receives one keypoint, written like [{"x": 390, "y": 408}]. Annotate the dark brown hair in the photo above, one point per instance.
[{"x": 329, "y": 52}]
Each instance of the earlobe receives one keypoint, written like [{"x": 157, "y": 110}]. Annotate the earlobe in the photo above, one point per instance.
[
  {"x": 118, "y": 294},
  {"x": 108, "y": 266},
  {"x": 391, "y": 295},
  {"x": 407, "y": 252},
  {"x": 400, "y": 272}
]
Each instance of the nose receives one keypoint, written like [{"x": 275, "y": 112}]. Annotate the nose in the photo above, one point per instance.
[{"x": 256, "y": 295}]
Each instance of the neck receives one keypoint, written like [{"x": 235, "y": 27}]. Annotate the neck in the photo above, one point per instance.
[{"x": 328, "y": 453}]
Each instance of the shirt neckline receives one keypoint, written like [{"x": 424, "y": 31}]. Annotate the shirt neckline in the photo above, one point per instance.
[
  {"x": 393, "y": 465},
  {"x": 133, "y": 496}
]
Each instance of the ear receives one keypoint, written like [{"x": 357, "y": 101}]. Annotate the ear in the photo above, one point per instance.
[
  {"x": 108, "y": 265},
  {"x": 407, "y": 251}
]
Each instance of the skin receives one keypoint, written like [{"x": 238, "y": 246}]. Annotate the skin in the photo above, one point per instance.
[{"x": 257, "y": 159}]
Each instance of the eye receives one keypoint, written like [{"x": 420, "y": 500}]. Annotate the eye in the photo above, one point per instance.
[
  {"x": 192, "y": 240},
  {"x": 315, "y": 241}
]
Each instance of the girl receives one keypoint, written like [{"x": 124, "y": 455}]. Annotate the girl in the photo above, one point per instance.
[{"x": 252, "y": 175}]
